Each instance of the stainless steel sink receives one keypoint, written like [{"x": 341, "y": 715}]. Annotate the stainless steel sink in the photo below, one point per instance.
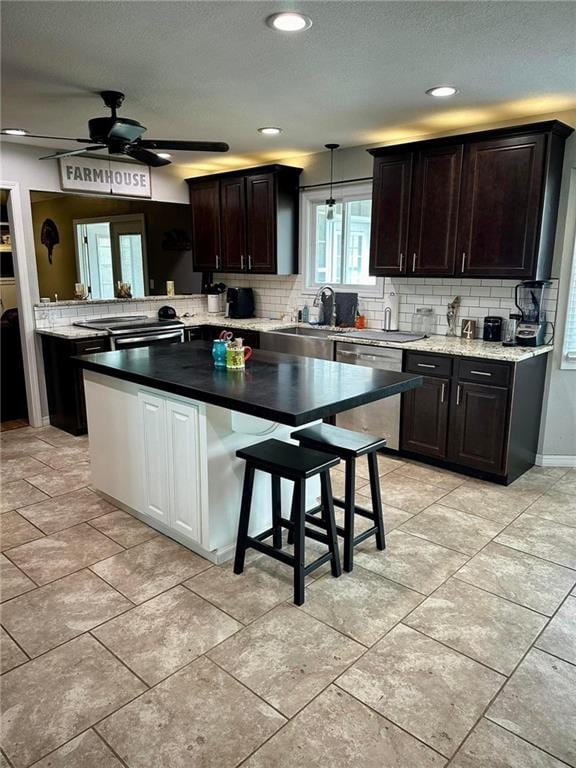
[
  {"x": 300, "y": 340},
  {"x": 304, "y": 330}
]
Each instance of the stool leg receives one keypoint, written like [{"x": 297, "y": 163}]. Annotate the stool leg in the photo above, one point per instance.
[
  {"x": 376, "y": 500},
  {"x": 276, "y": 513},
  {"x": 349, "y": 503},
  {"x": 244, "y": 521},
  {"x": 328, "y": 517},
  {"x": 299, "y": 519},
  {"x": 292, "y": 516}
]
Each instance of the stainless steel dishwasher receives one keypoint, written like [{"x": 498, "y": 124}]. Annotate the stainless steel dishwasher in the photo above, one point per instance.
[{"x": 381, "y": 418}]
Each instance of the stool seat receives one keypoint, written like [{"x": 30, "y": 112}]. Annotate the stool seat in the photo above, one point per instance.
[
  {"x": 342, "y": 442},
  {"x": 286, "y": 460}
]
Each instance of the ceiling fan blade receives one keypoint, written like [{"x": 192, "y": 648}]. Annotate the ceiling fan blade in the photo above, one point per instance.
[
  {"x": 146, "y": 157},
  {"x": 53, "y": 138},
  {"x": 190, "y": 146},
  {"x": 95, "y": 148}
]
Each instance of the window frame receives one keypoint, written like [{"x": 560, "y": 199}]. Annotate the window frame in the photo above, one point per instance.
[
  {"x": 568, "y": 362},
  {"x": 343, "y": 193}
]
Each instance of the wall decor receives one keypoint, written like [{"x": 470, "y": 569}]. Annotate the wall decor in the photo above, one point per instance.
[
  {"x": 49, "y": 236},
  {"x": 108, "y": 177}
]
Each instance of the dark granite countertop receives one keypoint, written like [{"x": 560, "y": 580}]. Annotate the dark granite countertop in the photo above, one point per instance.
[{"x": 283, "y": 388}]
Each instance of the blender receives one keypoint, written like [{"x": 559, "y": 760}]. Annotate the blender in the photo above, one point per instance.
[{"x": 529, "y": 296}]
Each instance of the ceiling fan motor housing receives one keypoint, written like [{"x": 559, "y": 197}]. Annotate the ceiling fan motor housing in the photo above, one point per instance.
[{"x": 104, "y": 128}]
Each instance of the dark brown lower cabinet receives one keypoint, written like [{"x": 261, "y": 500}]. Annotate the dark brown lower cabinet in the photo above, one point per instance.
[
  {"x": 478, "y": 427},
  {"x": 425, "y": 418}
]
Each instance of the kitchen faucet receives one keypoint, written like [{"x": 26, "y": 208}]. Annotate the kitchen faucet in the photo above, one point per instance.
[{"x": 318, "y": 300}]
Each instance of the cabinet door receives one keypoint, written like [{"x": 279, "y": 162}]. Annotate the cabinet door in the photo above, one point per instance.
[
  {"x": 153, "y": 458},
  {"x": 500, "y": 207},
  {"x": 390, "y": 212},
  {"x": 205, "y": 203},
  {"x": 425, "y": 418},
  {"x": 185, "y": 486},
  {"x": 478, "y": 427},
  {"x": 261, "y": 223},
  {"x": 233, "y": 224},
  {"x": 434, "y": 211}
]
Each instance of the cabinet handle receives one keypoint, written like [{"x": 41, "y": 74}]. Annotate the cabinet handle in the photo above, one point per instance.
[
  {"x": 458, "y": 395},
  {"x": 425, "y": 365},
  {"x": 481, "y": 373},
  {"x": 92, "y": 349},
  {"x": 443, "y": 395},
  {"x": 401, "y": 261},
  {"x": 241, "y": 262},
  {"x": 217, "y": 261},
  {"x": 413, "y": 262},
  {"x": 249, "y": 263},
  {"x": 463, "y": 260}
]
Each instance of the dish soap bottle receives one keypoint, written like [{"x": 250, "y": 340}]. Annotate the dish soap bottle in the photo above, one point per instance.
[{"x": 305, "y": 313}]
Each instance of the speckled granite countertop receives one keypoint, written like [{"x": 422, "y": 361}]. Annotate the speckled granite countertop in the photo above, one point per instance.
[{"x": 443, "y": 345}]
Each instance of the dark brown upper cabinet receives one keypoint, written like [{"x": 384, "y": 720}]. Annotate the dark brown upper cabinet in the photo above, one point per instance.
[
  {"x": 257, "y": 220},
  {"x": 205, "y": 204},
  {"x": 477, "y": 205}
]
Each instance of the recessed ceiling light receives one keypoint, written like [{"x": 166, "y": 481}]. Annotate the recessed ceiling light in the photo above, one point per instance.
[
  {"x": 15, "y": 131},
  {"x": 290, "y": 21},
  {"x": 164, "y": 155},
  {"x": 442, "y": 91},
  {"x": 270, "y": 130}
]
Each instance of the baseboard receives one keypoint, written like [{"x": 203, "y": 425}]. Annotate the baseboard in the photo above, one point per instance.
[
  {"x": 550, "y": 460},
  {"x": 45, "y": 421}
]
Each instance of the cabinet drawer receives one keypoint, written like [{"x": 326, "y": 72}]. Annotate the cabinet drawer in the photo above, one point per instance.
[
  {"x": 91, "y": 346},
  {"x": 485, "y": 372},
  {"x": 428, "y": 365}
]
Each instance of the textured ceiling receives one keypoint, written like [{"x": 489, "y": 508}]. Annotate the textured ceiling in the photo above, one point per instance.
[{"x": 213, "y": 70}]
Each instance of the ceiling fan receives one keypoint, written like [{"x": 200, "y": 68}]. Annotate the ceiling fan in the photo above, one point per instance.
[{"x": 122, "y": 136}]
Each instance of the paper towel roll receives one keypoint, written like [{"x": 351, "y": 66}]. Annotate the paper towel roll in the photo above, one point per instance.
[{"x": 391, "y": 318}]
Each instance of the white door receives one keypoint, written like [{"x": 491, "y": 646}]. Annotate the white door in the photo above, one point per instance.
[
  {"x": 155, "y": 467},
  {"x": 184, "y": 470}
]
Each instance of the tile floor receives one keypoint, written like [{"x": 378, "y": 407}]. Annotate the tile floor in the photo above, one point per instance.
[{"x": 456, "y": 646}]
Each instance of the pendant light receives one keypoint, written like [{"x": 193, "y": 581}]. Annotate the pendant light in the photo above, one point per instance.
[{"x": 331, "y": 202}]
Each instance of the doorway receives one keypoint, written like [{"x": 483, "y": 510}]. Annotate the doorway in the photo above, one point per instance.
[{"x": 111, "y": 250}]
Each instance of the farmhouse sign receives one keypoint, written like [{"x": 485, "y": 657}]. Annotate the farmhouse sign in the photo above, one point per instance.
[{"x": 83, "y": 174}]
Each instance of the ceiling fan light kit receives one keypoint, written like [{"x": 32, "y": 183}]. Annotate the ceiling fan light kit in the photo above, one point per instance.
[{"x": 123, "y": 136}]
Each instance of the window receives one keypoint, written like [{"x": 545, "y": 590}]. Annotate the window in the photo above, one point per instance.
[
  {"x": 570, "y": 327},
  {"x": 336, "y": 240}
]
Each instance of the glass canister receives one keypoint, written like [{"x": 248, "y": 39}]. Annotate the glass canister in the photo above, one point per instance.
[{"x": 424, "y": 321}]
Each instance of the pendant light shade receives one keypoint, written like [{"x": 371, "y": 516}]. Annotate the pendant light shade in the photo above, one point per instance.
[{"x": 331, "y": 202}]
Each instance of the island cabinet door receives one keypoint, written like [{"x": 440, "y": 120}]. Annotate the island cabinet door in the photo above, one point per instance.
[
  {"x": 425, "y": 418},
  {"x": 155, "y": 500},
  {"x": 184, "y": 468}
]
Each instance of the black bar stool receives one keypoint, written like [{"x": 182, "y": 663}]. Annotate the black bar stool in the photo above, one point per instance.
[
  {"x": 292, "y": 462},
  {"x": 349, "y": 446}
]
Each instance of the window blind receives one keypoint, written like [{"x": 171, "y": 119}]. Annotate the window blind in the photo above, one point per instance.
[{"x": 570, "y": 329}]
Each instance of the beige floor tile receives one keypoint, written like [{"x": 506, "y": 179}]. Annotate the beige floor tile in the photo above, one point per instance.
[
  {"x": 338, "y": 731},
  {"x": 56, "y": 613},
  {"x": 123, "y": 528},
  {"x": 485, "y": 627},
  {"x": 16, "y": 469},
  {"x": 55, "y": 482},
  {"x": 360, "y": 604},
  {"x": 427, "y": 474},
  {"x": 490, "y": 746},
  {"x": 150, "y": 568},
  {"x": 559, "y": 637},
  {"x": 58, "y": 438},
  {"x": 12, "y": 581},
  {"x": 393, "y": 517},
  {"x": 167, "y": 632},
  {"x": 524, "y": 579},
  {"x": 62, "y": 458},
  {"x": 494, "y": 502},
  {"x": 453, "y": 528},
  {"x": 19, "y": 493},
  {"x": 10, "y": 654},
  {"x": 559, "y": 507},
  {"x": 429, "y": 690},
  {"x": 82, "y": 678},
  {"x": 539, "y": 704},
  {"x": 543, "y": 538},
  {"x": 567, "y": 483},
  {"x": 385, "y": 464},
  {"x": 408, "y": 494},
  {"x": 411, "y": 561},
  {"x": 85, "y": 751},
  {"x": 264, "y": 584},
  {"x": 67, "y": 510},
  {"x": 199, "y": 717},
  {"x": 62, "y": 553},
  {"x": 20, "y": 447},
  {"x": 337, "y": 479},
  {"x": 287, "y": 657},
  {"x": 14, "y": 530}
]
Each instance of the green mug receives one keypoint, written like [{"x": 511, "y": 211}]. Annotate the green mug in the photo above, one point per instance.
[{"x": 236, "y": 357}]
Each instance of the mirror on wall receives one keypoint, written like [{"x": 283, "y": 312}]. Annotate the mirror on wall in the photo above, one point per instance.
[{"x": 99, "y": 242}]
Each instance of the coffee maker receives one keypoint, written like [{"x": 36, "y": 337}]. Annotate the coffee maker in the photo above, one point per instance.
[
  {"x": 240, "y": 302},
  {"x": 529, "y": 297}
]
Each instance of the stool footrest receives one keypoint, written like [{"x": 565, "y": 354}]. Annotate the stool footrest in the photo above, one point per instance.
[
  {"x": 362, "y": 511},
  {"x": 278, "y": 554}
]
